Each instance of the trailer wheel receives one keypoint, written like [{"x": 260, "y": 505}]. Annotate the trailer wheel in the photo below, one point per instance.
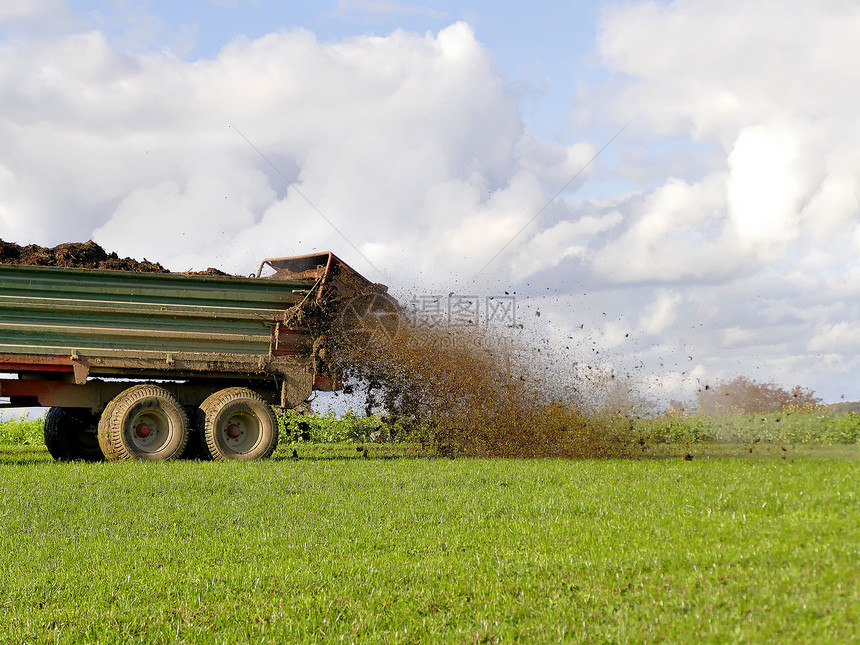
[
  {"x": 237, "y": 423},
  {"x": 144, "y": 422},
  {"x": 72, "y": 433},
  {"x": 107, "y": 448}
]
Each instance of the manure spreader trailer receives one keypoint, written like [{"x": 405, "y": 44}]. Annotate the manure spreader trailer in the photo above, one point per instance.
[{"x": 152, "y": 365}]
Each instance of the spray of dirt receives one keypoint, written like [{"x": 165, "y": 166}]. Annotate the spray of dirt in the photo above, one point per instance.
[{"x": 471, "y": 391}]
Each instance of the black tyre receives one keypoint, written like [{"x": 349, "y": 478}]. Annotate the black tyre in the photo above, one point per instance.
[
  {"x": 196, "y": 448},
  {"x": 72, "y": 433},
  {"x": 144, "y": 422},
  {"x": 107, "y": 449},
  {"x": 237, "y": 423}
]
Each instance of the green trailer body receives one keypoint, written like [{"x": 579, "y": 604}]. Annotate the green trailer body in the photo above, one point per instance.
[
  {"x": 108, "y": 315},
  {"x": 76, "y": 338}
]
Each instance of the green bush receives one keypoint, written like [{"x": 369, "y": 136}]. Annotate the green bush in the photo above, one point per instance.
[
  {"x": 809, "y": 424},
  {"x": 22, "y": 431},
  {"x": 800, "y": 424},
  {"x": 328, "y": 428},
  {"x": 673, "y": 427}
]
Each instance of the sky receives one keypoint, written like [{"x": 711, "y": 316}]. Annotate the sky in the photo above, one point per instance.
[{"x": 673, "y": 186}]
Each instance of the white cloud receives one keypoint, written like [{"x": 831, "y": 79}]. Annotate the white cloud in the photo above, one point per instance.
[
  {"x": 412, "y": 145},
  {"x": 833, "y": 207},
  {"x": 662, "y": 313},
  {"x": 766, "y": 80},
  {"x": 761, "y": 239},
  {"x": 568, "y": 238},
  {"x": 36, "y": 18},
  {"x": 737, "y": 254},
  {"x": 674, "y": 385},
  {"x": 218, "y": 200},
  {"x": 739, "y": 337},
  {"x": 837, "y": 337},
  {"x": 28, "y": 8},
  {"x": 763, "y": 191},
  {"x": 676, "y": 232}
]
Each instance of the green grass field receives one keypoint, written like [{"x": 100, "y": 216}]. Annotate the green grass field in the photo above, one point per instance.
[{"x": 335, "y": 547}]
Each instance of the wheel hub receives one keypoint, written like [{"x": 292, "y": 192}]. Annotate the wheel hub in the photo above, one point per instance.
[
  {"x": 238, "y": 431},
  {"x": 149, "y": 429}
]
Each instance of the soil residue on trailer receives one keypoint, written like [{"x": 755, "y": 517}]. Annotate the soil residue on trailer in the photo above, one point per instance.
[{"x": 81, "y": 255}]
